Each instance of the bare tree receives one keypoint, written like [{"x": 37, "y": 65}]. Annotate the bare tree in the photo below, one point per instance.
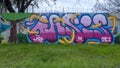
[
  {"x": 108, "y": 6},
  {"x": 19, "y": 6},
  {"x": 2, "y": 6}
]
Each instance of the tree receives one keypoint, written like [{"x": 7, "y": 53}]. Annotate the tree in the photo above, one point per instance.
[
  {"x": 2, "y": 8},
  {"x": 108, "y": 6},
  {"x": 18, "y": 6}
]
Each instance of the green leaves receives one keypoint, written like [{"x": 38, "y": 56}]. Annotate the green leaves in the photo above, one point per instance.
[{"x": 15, "y": 16}]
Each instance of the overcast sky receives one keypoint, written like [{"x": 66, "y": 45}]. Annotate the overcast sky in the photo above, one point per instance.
[{"x": 69, "y": 6}]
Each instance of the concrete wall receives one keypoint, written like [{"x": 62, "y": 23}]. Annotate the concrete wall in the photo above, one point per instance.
[{"x": 68, "y": 28}]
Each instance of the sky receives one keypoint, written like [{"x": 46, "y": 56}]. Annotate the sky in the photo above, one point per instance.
[{"x": 67, "y": 6}]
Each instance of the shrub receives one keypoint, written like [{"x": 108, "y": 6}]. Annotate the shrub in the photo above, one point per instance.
[
  {"x": 117, "y": 39},
  {"x": 22, "y": 38}
]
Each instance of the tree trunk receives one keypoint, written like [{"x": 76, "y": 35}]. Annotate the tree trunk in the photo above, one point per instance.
[{"x": 13, "y": 32}]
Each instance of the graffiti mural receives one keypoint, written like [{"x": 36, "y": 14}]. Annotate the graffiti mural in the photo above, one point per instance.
[
  {"x": 3, "y": 27},
  {"x": 70, "y": 28}
]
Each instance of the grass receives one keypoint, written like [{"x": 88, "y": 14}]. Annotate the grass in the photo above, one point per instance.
[{"x": 59, "y": 56}]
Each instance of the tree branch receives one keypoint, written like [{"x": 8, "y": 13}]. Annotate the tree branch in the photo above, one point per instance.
[
  {"x": 9, "y": 6},
  {"x": 18, "y": 4},
  {"x": 28, "y": 3},
  {"x": 22, "y": 6}
]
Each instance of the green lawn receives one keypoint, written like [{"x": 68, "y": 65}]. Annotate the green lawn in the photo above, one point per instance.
[{"x": 59, "y": 56}]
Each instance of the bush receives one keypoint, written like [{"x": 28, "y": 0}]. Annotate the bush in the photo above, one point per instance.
[
  {"x": 1, "y": 37},
  {"x": 22, "y": 38},
  {"x": 117, "y": 39}
]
